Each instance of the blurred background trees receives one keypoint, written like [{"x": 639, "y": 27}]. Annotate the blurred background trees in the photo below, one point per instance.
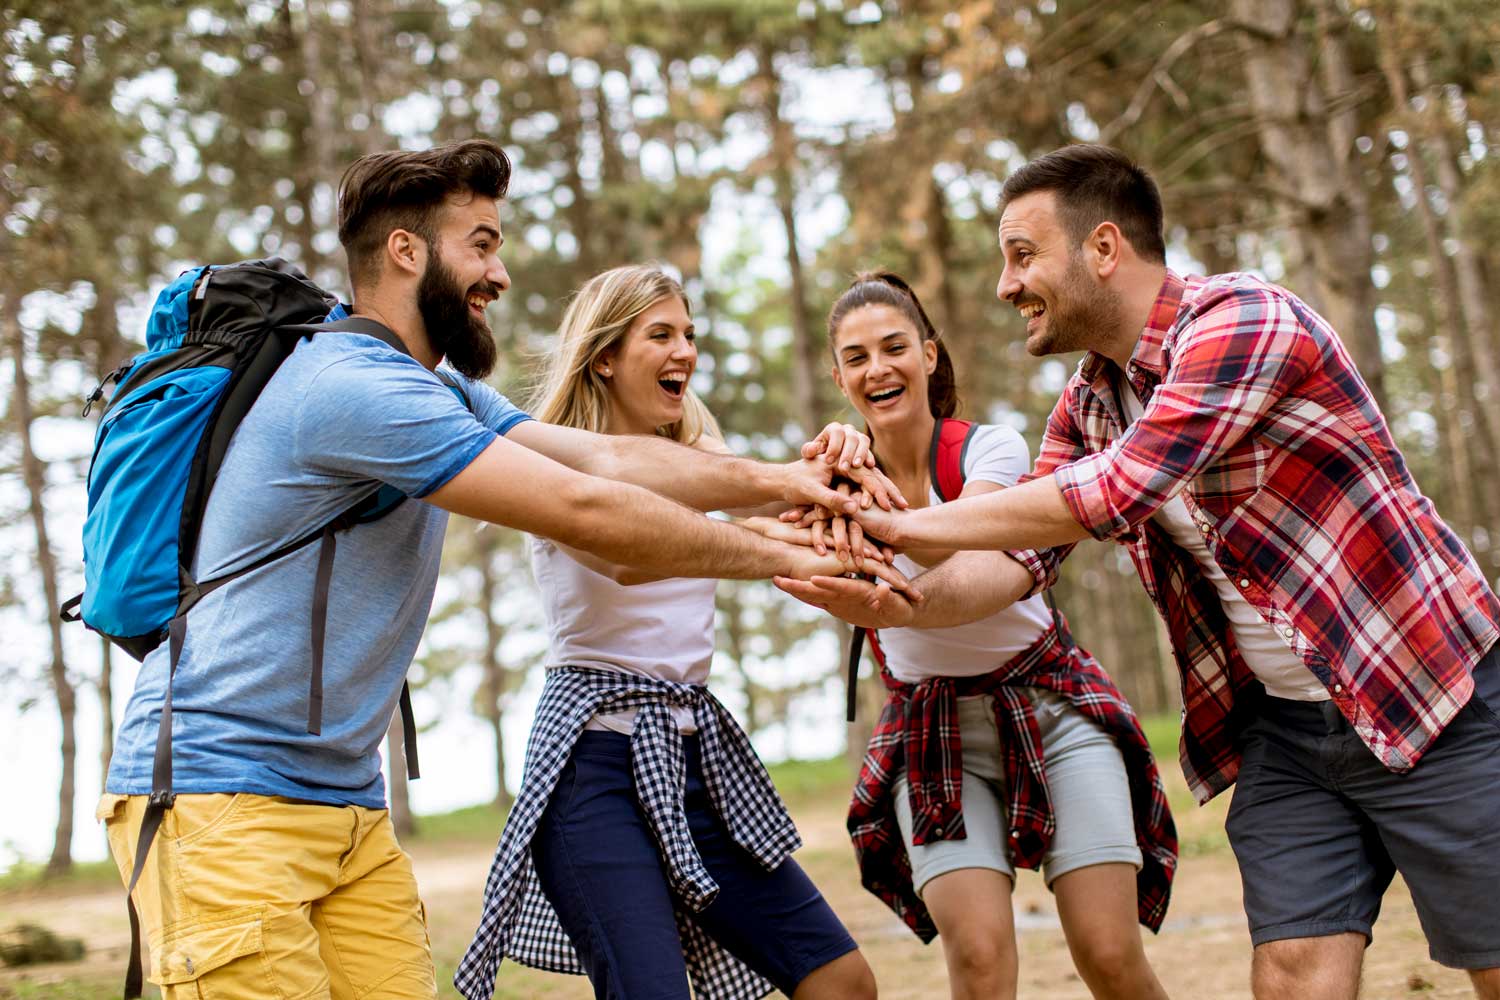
[{"x": 764, "y": 150}]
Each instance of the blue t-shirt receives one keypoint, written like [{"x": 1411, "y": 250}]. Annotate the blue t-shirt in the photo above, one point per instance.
[{"x": 343, "y": 415}]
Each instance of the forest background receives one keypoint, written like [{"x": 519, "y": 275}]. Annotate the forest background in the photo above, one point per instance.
[{"x": 764, "y": 150}]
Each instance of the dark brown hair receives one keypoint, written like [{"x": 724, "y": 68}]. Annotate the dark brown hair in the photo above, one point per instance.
[
  {"x": 403, "y": 189},
  {"x": 1096, "y": 184},
  {"x": 884, "y": 288}
]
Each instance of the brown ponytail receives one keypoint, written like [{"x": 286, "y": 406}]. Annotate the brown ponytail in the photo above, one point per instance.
[{"x": 885, "y": 288}]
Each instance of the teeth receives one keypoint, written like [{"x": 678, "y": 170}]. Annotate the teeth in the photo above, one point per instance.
[
  {"x": 674, "y": 377},
  {"x": 1032, "y": 310},
  {"x": 883, "y": 394}
]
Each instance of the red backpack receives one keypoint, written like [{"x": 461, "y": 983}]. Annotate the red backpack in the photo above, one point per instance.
[{"x": 950, "y": 444}]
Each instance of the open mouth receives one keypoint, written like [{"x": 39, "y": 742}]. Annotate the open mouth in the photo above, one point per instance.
[
  {"x": 886, "y": 395},
  {"x": 1031, "y": 310},
  {"x": 478, "y": 302},
  {"x": 673, "y": 384}
]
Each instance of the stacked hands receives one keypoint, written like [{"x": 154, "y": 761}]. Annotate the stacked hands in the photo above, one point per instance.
[{"x": 839, "y": 498}]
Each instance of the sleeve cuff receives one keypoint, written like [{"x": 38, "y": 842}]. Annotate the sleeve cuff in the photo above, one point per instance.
[
  {"x": 1083, "y": 486},
  {"x": 1043, "y": 571}
]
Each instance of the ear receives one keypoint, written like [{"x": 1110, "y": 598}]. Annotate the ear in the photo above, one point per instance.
[
  {"x": 1104, "y": 247},
  {"x": 929, "y": 355},
  {"x": 838, "y": 379},
  {"x": 406, "y": 251},
  {"x": 604, "y": 365}
]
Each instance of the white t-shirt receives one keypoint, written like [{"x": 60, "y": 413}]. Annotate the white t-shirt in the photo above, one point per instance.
[
  {"x": 1265, "y": 652},
  {"x": 663, "y": 629},
  {"x": 997, "y": 455}
]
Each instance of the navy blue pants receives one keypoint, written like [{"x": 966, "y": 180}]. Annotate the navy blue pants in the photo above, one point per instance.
[{"x": 598, "y": 863}]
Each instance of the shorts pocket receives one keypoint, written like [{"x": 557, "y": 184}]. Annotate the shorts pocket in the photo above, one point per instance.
[
  {"x": 196, "y": 816},
  {"x": 189, "y": 951}
]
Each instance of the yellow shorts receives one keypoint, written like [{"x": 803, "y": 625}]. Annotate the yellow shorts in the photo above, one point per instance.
[{"x": 252, "y": 896}]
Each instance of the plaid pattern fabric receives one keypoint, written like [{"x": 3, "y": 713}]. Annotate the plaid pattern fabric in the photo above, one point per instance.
[
  {"x": 918, "y": 730},
  {"x": 1256, "y": 416},
  {"x": 519, "y": 923}
]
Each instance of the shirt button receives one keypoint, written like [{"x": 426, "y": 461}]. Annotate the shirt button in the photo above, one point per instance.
[
  {"x": 1015, "y": 835},
  {"x": 937, "y": 831},
  {"x": 1244, "y": 583},
  {"x": 1338, "y": 689},
  {"x": 1288, "y": 632}
]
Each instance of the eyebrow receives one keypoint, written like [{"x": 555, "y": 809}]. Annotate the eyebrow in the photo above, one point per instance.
[
  {"x": 487, "y": 230},
  {"x": 1011, "y": 241}
]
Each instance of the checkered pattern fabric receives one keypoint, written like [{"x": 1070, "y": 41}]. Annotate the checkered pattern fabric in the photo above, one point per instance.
[
  {"x": 1256, "y": 416},
  {"x": 918, "y": 731},
  {"x": 519, "y": 923}
]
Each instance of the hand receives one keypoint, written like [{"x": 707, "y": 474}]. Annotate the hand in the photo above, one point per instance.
[
  {"x": 858, "y": 602},
  {"x": 874, "y": 522},
  {"x": 807, "y": 564},
  {"x": 842, "y": 446},
  {"x": 770, "y": 527}
]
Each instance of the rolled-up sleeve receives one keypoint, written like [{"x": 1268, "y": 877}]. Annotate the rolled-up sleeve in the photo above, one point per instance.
[{"x": 1242, "y": 352}]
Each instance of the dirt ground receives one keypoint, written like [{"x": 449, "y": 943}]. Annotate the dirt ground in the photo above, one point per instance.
[{"x": 1203, "y": 951}]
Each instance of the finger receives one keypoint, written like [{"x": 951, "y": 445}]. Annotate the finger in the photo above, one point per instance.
[
  {"x": 834, "y": 435},
  {"x": 799, "y": 589},
  {"x": 864, "y": 500},
  {"x": 811, "y": 449},
  {"x": 840, "y": 528},
  {"x": 876, "y": 485},
  {"x": 888, "y": 552},
  {"x": 792, "y": 514},
  {"x": 856, "y": 537},
  {"x": 819, "y": 537},
  {"x": 861, "y": 457},
  {"x": 893, "y": 576},
  {"x": 853, "y": 443}
]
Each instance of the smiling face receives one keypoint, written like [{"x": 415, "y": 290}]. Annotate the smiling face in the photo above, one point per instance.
[
  {"x": 882, "y": 364},
  {"x": 462, "y": 276},
  {"x": 647, "y": 370},
  {"x": 1048, "y": 280}
]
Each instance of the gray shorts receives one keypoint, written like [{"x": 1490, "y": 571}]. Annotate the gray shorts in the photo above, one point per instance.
[
  {"x": 1085, "y": 778},
  {"x": 1319, "y": 827}
]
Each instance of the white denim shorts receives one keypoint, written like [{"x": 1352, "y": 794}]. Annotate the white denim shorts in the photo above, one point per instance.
[{"x": 1085, "y": 777}]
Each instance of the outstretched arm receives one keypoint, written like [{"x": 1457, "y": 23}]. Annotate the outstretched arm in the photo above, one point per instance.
[
  {"x": 698, "y": 478},
  {"x": 966, "y": 587},
  {"x": 512, "y": 485}
]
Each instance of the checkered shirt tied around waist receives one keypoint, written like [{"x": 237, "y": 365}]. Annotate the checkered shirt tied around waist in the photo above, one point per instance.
[
  {"x": 1256, "y": 417},
  {"x": 918, "y": 731},
  {"x": 519, "y": 923}
]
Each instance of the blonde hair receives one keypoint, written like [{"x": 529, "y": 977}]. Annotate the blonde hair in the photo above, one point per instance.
[{"x": 570, "y": 392}]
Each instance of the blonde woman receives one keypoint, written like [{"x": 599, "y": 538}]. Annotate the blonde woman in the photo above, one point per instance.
[{"x": 659, "y": 856}]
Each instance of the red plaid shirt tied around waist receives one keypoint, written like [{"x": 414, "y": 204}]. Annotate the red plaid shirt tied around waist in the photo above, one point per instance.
[
  {"x": 1256, "y": 417},
  {"x": 918, "y": 731}
]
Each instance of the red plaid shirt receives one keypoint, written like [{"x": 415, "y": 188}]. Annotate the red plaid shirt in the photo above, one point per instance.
[
  {"x": 1255, "y": 415},
  {"x": 918, "y": 731}
]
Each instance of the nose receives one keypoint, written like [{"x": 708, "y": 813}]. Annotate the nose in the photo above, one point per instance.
[
  {"x": 1008, "y": 287},
  {"x": 497, "y": 275},
  {"x": 877, "y": 366},
  {"x": 684, "y": 349}
]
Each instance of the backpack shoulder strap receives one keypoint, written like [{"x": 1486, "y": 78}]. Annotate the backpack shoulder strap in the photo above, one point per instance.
[{"x": 950, "y": 445}]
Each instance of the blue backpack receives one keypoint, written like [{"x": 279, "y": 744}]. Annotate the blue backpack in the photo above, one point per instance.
[{"x": 215, "y": 337}]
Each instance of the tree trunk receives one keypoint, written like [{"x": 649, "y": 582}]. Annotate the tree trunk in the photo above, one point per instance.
[
  {"x": 494, "y": 671},
  {"x": 1468, "y": 276},
  {"x": 1306, "y": 135},
  {"x": 401, "y": 814},
  {"x": 806, "y": 369},
  {"x": 1472, "y": 506},
  {"x": 310, "y": 118},
  {"x": 61, "y": 859}
]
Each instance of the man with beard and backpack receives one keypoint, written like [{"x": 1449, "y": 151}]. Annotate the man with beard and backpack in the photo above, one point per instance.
[{"x": 262, "y": 856}]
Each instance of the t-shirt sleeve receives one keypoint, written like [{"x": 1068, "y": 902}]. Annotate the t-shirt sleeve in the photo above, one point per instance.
[
  {"x": 382, "y": 416},
  {"x": 490, "y": 407},
  {"x": 996, "y": 454}
]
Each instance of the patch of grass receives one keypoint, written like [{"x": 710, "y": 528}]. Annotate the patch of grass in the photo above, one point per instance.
[
  {"x": 26, "y": 875},
  {"x": 1162, "y": 732},
  {"x": 481, "y": 822}
]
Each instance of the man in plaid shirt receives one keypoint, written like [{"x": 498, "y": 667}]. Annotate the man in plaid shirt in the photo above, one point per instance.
[{"x": 1334, "y": 637}]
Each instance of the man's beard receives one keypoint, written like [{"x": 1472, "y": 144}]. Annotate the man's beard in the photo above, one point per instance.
[
  {"x": 453, "y": 330},
  {"x": 1083, "y": 313}
]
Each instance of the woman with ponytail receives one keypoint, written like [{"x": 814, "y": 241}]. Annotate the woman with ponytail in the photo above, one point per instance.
[
  {"x": 648, "y": 848},
  {"x": 1002, "y": 744}
]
